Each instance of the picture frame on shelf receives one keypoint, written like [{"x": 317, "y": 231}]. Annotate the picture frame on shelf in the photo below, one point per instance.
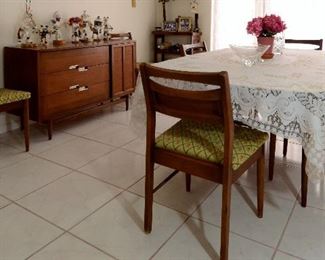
[
  {"x": 184, "y": 24},
  {"x": 170, "y": 26}
]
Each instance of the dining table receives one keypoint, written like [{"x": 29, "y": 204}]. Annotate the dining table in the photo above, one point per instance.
[{"x": 284, "y": 96}]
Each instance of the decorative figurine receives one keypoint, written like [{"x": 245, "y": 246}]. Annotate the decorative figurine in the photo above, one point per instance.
[
  {"x": 75, "y": 23},
  {"x": 85, "y": 25},
  {"x": 25, "y": 31},
  {"x": 97, "y": 29},
  {"x": 107, "y": 29},
  {"x": 43, "y": 31},
  {"x": 57, "y": 23}
]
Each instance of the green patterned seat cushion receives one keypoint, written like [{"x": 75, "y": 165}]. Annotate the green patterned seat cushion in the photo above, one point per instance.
[
  {"x": 205, "y": 141},
  {"x": 8, "y": 95}
]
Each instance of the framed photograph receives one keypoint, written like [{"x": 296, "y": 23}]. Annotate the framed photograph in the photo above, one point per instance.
[
  {"x": 170, "y": 26},
  {"x": 184, "y": 24}
]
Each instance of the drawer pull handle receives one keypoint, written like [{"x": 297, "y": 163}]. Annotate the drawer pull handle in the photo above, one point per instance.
[
  {"x": 74, "y": 87},
  {"x": 81, "y": 69},
  {"x": 73, "y": 67},
  {"x": 82, "y": 88}
]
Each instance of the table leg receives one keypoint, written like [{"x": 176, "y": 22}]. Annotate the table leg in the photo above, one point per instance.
[{"x": 304, "y": 180}]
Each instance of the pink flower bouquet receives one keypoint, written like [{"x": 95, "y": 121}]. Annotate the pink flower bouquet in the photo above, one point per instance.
[{"x": 266, "y": 26}]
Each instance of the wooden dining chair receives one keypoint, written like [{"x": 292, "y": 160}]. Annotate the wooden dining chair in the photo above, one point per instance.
[
  {"x": 317, "y": 42},
  {"x": 11, "y": 100},
  {"x": 304, "y": 178},
  {"x": 189, "y": 49},
  {"x": 205, "y": 142}
]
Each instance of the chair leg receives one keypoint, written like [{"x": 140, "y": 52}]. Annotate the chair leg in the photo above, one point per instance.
[
  {"x": 148, "y": 195},
  {"x": 272, "y": 156},
  {"x": 260, "y": 185},
  {"x": 26, "y": 124},
  {"x": 225, "y": 221},
  {"x": 285, "y": 147},
  {"x": 188, "y": 182},
  {"x": 304, "y": 180}
]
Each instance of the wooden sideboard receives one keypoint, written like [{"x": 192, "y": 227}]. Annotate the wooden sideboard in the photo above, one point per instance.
[{"x": 72, "y": 79}]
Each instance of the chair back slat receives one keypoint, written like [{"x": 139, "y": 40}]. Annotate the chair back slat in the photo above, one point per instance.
[
  {"x": 318, "y": 43},
  {"x": 211, "y": 106},
  {"x": 189, "y": 49},
  {"x": 194, "y": 105}
]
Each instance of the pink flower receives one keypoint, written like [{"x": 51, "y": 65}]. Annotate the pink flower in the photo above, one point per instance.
[
  {"x": 255, "y": 26},
  {"x": 269, "y": 25}
]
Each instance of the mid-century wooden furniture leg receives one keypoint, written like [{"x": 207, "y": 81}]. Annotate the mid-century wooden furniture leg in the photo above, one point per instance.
[
  {"x": 285, "y": 147},
  {"x": 188, "y": 182},
  {"x": 127, "y": 102},
  {"x": 304, "y": 180},
  {"x": 26, "y": 123},
  {"x": 272, "y": 156},
  {"x": 50, "y": 129}
]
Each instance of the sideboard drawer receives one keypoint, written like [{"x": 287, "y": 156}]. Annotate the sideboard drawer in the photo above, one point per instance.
[
  {"x": 71, "y": 79},
  {"x": 77, "y": 59},
  {"x": 54, "y": 105}
]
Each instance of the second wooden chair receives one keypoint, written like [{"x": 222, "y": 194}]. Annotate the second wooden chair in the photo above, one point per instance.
[{"x": 189, "y": 49}]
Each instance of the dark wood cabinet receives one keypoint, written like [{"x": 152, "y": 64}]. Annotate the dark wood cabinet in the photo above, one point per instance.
[
  {"x": 123, "y": 69},
  {"x": 69, "y": 80}
]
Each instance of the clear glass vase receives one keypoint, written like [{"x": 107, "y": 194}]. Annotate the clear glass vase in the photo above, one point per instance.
[{"x": 279, "y": 42}]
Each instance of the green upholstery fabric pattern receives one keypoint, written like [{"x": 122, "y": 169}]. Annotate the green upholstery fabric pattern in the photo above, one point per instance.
[
  {"x": 205, "y": 141},
  {"x": 9, "y": 96}
]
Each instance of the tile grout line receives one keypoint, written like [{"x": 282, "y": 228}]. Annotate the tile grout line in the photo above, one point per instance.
[
  {"x": 170, "y": 237},
  {"x": 88, "y": 243},
  {"x": 268, "y": 192},
  {"x": 187, "y": 218},
  {"x": 41, "y": 187},
  {"x": 235, "y": 233},
  {"x": 61, "y": 228},
  {"x": 283, "y": 252},
  {"x": 285, "y": 226},
  {"x": 44, "y": 246},
  {"x": 219, "y": 227}
]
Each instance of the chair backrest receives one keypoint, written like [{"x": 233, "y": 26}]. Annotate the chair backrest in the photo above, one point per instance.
[
  {"x": 211, "y": 106},
  {"x": 318, "y": 43},
  {"x": 189, "y": 49},
  {"x": 121, "y": 36}
]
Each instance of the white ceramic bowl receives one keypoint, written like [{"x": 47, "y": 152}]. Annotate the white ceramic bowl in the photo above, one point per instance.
[{"x": 249, "y": 55}]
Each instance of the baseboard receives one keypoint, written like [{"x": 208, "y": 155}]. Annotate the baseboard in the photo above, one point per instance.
[{"x": 8, "y": 122}]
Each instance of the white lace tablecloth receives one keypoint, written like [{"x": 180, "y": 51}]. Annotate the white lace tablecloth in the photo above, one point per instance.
[{"x": 284, "y": 96}]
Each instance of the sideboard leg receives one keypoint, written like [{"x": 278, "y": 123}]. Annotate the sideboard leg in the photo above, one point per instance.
[
  {"x": 304, "y": 180},
  {"x": 50, "y": 129},
  {"x": 127, "y": 102}
]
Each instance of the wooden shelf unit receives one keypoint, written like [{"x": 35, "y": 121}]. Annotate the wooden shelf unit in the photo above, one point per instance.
[{"x": 160, "y": 37}]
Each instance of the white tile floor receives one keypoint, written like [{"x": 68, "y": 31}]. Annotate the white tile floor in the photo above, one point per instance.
[{"x": 80, "y": 196}]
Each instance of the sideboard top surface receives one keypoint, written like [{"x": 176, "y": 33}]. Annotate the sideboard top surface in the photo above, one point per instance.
[{"x": 68, "y": 46}]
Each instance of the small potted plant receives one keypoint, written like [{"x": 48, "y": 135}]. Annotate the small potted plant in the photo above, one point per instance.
[{"x": 264, "y": 28}]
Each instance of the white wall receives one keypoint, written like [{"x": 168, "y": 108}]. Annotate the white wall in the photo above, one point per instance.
[
  {"x": 140, "y": 21},
  {"x": 182, "y": 8}
]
